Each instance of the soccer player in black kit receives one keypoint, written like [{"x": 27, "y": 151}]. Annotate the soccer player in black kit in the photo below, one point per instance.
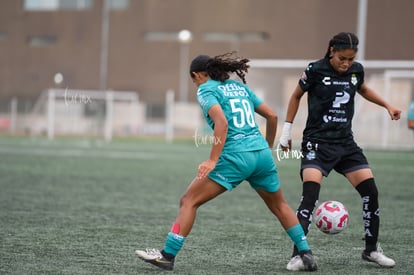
[{"x": 331, "y": 84}]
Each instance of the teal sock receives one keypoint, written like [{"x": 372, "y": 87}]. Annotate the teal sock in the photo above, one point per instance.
[
  {"x": 173, "y": 243},
  {"x": 298, "y": 237}
]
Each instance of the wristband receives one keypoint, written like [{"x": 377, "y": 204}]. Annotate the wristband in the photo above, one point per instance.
[{"x": 285, "y": 136}]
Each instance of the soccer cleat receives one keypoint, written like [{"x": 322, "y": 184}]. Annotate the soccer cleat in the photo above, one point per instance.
[
  {"x": 305, "y": 261},
  {"x": 155, "y": 257},
  {"x": 295, "y": 264},
  {"x": 309, "y": 261},
  {"x": 378, "y": 257}
]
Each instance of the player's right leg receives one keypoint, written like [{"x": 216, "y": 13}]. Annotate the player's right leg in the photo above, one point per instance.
[{"x": 199, "y": 192}]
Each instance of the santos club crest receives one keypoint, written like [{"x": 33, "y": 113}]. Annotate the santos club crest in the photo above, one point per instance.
[{"x": 354, "y": 79}]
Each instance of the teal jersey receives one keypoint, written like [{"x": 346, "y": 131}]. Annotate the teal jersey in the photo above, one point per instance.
[
  {"x": 238, "y": 103},
  {"x": 410, "y": 115}
]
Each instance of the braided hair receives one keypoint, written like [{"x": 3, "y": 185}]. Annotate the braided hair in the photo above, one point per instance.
[
  {"x": 343, "y": 40},
  {"x": 220, "y": 66}
]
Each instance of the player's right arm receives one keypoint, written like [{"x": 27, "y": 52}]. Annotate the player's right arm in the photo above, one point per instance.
[
  {"x": 220, "y": 134},
  {"x": 293, "y": 106}
]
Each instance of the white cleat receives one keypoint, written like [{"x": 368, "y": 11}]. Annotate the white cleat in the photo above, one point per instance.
[
  {"x": 378, "y": 257},
  {"x": 154, "y": 256},
  {"x": 295, "y": 264}
]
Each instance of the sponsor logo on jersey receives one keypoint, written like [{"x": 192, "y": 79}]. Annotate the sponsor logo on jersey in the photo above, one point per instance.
[
  {"x": 233, "y": 90},
  {"x": 326, "y": 80},
  {"x": 203, "y": 102},
  {"x": 342, "y": 97},
  {"x": 344, "y": 83},
  {"x": 327, "y": 118}
]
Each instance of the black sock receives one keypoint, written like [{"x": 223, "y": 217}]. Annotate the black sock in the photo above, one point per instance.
[
  {"x": 370, "y": 213},
  {"x": 310, "y": 196},
  {"x": 166, "y": 255}
]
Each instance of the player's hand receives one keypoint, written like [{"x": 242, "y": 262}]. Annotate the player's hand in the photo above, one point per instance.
[
  {"x": 394, "y": 113},
  {"x": 285, "y": 140},
  {"x": 205, "y": 168},
  {"x": 288, "y": 147}
]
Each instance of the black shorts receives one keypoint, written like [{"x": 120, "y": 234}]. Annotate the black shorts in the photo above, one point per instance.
[{"x": 343, "y": 158}]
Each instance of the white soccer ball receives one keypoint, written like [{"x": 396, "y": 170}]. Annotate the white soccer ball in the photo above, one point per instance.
[{"x": 331, "y": 217}]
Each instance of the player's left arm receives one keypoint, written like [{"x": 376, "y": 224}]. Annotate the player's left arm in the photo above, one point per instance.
[
  {"x": 373, "y": 97},
  {"x": 220, "y": 134},
  {"x": 271, "y": 122}
]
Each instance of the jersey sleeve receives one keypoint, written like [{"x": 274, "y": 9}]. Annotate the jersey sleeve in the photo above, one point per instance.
[
  {"x": 254, "y": 98},
  {"x": 361, "y": 75},
  {"x": 308, "y": 78},
  {"x": 206, "y": 98}
]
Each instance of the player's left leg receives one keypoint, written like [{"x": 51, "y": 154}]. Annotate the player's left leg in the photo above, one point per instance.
[
  {"x": 287, "y": 217},
  {"x": 364, "y": 183},
  {"x": 265, "y": 181}
]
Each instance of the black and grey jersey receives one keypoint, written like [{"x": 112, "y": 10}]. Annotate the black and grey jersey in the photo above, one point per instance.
[{"x": 330, "y": 101}]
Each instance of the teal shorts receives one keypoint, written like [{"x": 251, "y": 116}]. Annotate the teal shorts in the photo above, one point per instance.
[{"x": 256, "y": 167}]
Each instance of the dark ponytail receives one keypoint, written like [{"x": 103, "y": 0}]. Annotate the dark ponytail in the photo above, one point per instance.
[
  {"x": 343, "y": 40},
  {"x": 220, "y": 67}
]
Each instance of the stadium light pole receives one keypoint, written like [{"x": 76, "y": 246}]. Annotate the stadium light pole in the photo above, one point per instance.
[
  {"x": 103, "y": 67},
  {"x": 361, "y": 27},
  {"x": 185, "y": 37}
]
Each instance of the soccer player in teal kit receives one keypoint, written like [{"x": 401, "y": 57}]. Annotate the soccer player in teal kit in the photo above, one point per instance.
[{"x": 239, "y": 153}]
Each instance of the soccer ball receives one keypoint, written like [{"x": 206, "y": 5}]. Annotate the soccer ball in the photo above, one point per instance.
[{"x": 331, "y": 217}]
